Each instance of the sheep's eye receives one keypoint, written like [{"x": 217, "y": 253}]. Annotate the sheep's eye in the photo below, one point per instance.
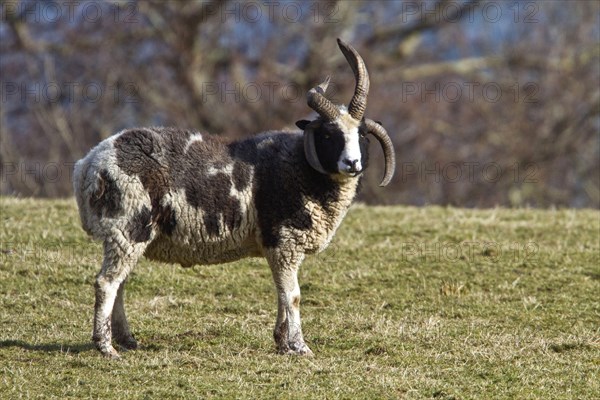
[{"x": 327, "y": 136}]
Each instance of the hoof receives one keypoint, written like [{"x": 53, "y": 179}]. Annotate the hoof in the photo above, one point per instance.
[
  {"x": 297, "y": 349},
  {"x": 111, "y": 354},
  {"x": 108, "y": 351},
  {"x": 127, "y": 343},
  {"x": 305, "y": 351}
]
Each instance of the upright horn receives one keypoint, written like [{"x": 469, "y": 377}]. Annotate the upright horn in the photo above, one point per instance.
[
  {"x": 317, "y": 101},
  {"x": 358, "y": 104}
]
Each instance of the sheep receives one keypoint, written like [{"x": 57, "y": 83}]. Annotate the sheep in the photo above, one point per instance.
[{"x": 185, "y": 197}]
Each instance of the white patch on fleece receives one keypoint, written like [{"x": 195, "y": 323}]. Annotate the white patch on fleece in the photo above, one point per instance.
[
  {"x": 227, "y": 170},
  {"x": 265, "y": 143},
  {"x": 196, "y": 137}
]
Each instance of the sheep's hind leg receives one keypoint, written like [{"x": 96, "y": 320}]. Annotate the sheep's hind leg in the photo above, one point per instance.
[
  {"x": 119, "y": 260},
  {"x": 120, "y": 327},
  {"x": 288, "y": 330}
]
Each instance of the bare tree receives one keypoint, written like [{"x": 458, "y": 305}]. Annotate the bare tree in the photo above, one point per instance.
[{"x": 488, "y": 103}]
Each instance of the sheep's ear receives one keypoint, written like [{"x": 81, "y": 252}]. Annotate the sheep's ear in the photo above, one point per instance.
[{"x": 302, "y": 123}]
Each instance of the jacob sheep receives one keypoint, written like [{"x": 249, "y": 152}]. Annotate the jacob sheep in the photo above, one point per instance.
[{"x": 179, "y": 196}]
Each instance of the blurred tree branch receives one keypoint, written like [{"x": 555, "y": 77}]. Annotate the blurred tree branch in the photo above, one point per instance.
[{"x": 425, "y": 21}]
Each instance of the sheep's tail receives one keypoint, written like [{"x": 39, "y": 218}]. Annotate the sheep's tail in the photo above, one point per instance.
[{"x": 80, "y": 172}]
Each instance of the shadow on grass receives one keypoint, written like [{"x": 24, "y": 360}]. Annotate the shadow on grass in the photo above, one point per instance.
[{"x": 48, "y": 347}]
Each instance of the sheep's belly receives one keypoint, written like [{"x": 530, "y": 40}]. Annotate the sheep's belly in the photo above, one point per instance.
[{"x": 188, "y": 254}]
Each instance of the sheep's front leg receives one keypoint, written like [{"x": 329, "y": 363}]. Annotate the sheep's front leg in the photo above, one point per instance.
[{"x": 288, "y": 330}]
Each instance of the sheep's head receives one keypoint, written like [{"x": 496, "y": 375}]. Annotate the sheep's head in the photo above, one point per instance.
[{"x": 336, "y": 142}]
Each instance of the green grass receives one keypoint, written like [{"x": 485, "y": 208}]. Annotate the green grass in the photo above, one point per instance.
[{"x": 406, "y": 303}]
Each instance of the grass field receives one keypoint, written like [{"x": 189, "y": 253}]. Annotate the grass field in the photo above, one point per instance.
[{"x": 407, "y": 302}]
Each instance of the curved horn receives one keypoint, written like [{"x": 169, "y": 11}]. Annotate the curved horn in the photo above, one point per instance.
[
  {"x": 317, "y": 101},
  {"x": 358, "y": 104},
  {"x": 310, "y": 152},
  {"x": 388, "y": 149}
]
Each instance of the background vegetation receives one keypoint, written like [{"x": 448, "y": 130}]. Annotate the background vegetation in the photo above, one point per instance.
[
  {"x": 488, "y": 102},
  {"x": 408, "y": 302}
]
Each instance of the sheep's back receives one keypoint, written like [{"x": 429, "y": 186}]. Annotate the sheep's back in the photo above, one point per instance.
[{"x": 169, "y": 186}]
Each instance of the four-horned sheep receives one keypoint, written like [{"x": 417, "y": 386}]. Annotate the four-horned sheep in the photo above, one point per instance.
[{"x": 183, "y": 197}]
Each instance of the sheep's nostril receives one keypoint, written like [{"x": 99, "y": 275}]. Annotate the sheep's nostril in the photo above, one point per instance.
[{"x": 351, "y": 164}]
